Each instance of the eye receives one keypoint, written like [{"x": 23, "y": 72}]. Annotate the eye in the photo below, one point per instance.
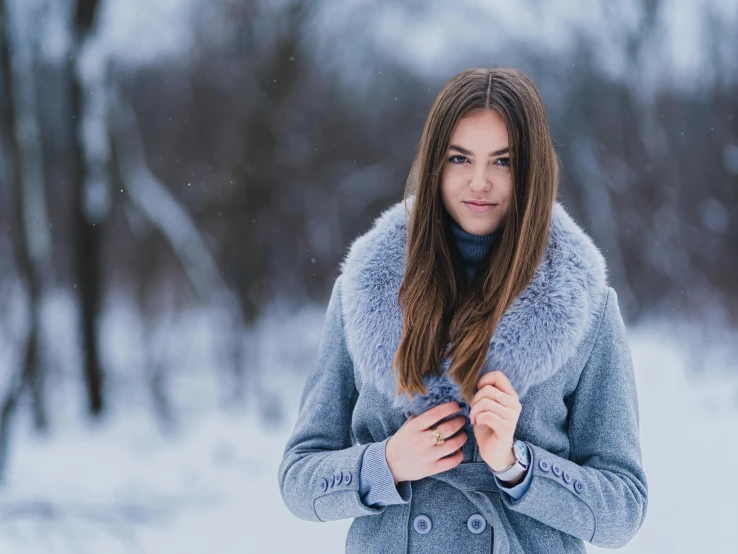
[
  {"x": 452, "y": 158},
  {"x": 505, "y": 162}
]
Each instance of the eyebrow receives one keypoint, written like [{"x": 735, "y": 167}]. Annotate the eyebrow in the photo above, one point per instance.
[{"x": 469, "y": 153}]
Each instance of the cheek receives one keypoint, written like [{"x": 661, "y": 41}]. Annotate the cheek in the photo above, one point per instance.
[
  {"x": 505, "y": 186},
  {"x": 447, "y": 174},
  {"x": 449, "y": 183}
]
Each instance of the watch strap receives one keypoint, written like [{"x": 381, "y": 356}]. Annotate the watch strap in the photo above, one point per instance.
[{"x": 511, "y": 472}]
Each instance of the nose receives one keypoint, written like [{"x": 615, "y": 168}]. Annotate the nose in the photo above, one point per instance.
[{"x": 480, "y": 182}]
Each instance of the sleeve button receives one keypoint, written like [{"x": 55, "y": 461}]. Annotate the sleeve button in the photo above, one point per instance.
[
  {"x": 567, "y": 477},
  {"x": 544, "y": 465},
  {"x": 332, "y": 480},
  {"x": 579, "y": 486},
  {"x": 324, "y": 484},
  {"x": 339, "y": 477},
  {"x": 347, "y": 478},
  {"x": 556, "y": 470}
]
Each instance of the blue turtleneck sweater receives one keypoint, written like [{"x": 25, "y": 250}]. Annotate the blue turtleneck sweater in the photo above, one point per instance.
[
  {"x": 376, "y": 484},
  {"x": 473, "y": 247}
]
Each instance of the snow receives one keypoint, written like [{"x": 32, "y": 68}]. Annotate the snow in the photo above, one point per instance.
[
  {"x": 688, "y": 427},
  {"x": 124, "y": 486}
]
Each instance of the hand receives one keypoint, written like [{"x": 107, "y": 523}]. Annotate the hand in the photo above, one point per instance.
[
  {"x": 411, "y": 452},
  {"x": 495, "y": 410}
]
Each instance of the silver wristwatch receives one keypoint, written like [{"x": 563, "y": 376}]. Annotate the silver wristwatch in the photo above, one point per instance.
[{"x": 522, "y": 461}]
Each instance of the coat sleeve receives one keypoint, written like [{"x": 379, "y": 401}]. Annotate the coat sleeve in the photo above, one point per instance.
[
  {"x": 320, "y": 469},
  {"x": 516, "y": 491},
  {"x": 377, "y": 487},
  {"x": 599, "y": 494}
]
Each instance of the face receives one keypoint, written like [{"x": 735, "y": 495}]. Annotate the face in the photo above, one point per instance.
[{"x": 476, "y": 182}]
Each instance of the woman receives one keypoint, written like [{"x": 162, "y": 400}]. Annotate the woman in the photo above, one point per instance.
[{"x": 474, "y": 388}]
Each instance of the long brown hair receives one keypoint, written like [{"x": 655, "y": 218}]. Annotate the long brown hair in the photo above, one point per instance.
[{"x": 437, "y": 303}]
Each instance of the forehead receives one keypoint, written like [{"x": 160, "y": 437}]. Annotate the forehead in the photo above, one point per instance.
[{"x": 481, "y": 132}]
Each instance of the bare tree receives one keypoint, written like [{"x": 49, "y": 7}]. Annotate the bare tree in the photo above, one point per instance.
[
  {"x": 92, "y": 195},
  {"x": 170, "y": 218},
  {"x": 31, "y": 243}
]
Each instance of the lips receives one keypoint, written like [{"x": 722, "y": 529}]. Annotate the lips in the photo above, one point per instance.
[{"x": 479, "y": 207}]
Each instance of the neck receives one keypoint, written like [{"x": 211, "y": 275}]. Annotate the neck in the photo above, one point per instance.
[{"x": 473, "y": 247}]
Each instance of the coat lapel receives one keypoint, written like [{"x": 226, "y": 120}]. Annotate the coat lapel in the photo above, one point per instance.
[{"x": 538, "y": 333}]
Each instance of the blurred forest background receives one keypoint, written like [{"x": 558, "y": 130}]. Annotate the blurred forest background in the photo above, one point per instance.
[{"x": 173, "y": 174}]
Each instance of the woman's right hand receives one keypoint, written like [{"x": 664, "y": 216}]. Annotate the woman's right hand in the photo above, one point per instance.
[{"x": 411, "y": 452}]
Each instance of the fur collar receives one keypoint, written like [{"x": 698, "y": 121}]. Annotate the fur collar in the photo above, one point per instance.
[{"x": 538, "y": 333}]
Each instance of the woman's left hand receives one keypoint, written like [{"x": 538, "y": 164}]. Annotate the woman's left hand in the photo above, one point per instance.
[{"x": 495, "y": 410}]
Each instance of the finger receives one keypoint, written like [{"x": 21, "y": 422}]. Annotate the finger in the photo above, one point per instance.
[
  {"x": 493, "y": 392},
  {"x": 498, "y": 379},
  {"x": 496, "y": 394},
  {"x": 449, "y": 428},
  {"x": 449, "y": 446},
  {"x": 444, "y": 464},
  {"x": 491, "y": 420},
  {"x": 431, "y": 417},
  {"x": 488, "y": 405}
]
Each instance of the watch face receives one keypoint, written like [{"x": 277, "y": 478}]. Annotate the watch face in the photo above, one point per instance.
[{"x": 521, "y": 453}]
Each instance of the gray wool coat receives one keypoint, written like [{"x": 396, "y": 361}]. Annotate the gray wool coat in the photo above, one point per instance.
[{"x": 562, "y": 343}]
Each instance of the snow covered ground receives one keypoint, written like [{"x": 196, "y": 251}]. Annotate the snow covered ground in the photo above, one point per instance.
[{"x": 124, "y": 487}]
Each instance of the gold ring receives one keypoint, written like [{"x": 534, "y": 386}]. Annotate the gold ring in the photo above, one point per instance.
[{"x": 438, "y": 437}]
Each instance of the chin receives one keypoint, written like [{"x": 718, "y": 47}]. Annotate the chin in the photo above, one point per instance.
[{"x": 475, "y": 228}]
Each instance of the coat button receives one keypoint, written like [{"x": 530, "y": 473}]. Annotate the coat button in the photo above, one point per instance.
[
  {"x": 476, "y": 524},
  {"x": 324, "y": 484},
  {"x": 579, "y": 486},
  {"x": 346, "y": 478},
  {"x": 556, "y": 470},
  {"x": 422, "y": 524},
  {"x": 332, "y": 480},
  {"x": 339, "y": 477},
  {"x": 544, "y": 465},
  {"x": 567, "y": 477}
]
